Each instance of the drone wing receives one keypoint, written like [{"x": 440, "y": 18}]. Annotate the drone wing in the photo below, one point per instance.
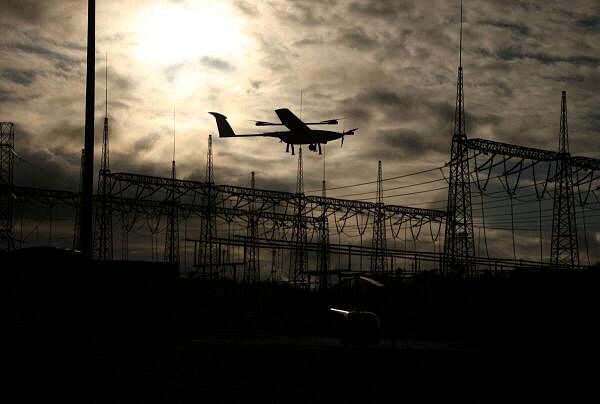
[{"x": 291, "y": 121}]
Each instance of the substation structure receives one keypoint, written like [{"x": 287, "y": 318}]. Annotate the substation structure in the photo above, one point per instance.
[{"x": 215, "y": 231}]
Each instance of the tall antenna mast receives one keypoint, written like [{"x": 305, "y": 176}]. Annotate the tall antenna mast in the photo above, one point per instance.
[
  {"x": 173, "y": 132},
  {"x": 103, "y": 235},
  {"x": 461, "y": 29},
  {"x": 172, "y": 237},
  {"x": 106, "y": 88},
  {"x": 324, "y": 189}
]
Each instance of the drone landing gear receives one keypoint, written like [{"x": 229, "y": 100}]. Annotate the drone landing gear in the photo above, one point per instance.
[{"x": 313, "y": 147}]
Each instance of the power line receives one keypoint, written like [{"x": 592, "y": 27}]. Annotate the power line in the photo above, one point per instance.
[{"x": 373, "y": 182}]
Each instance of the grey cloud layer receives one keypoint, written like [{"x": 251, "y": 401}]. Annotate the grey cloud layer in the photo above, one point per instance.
[{"x": 389, "y": 66}]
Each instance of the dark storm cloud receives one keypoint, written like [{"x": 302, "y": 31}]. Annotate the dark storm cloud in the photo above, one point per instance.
[
  {"x": 25, "y": 10},
  {"x": 67, "y": 132},
  {"x": 591, "y": 23},
  {"x": 122, "y": 88},
  {"x": 592, "y": 121},
  {"x": 123, "y": 161},
  {"x": 247, "y": 8},
  {"x": 409, "y": 142},
  {"x": 61, "y": 61},
  {"x": 516, "y": 28},
  {"x": 22, "y": 77},
  {"x": 303, "y": 13},
  {"x": 309, "y": 41},
  {"x": 45, "y": 164},
  {"x": 5, "y": 96},
  {"x": 216, "y": 63},
  {"x": 511, "y": 54},
  {"x": 213, "y": 63},
  {"x": 381, "y": 9},
  {"x": 502, "y": 89},
  {"x": 146, "y": 143},
  {"x": 275, "y": 55},
  {"x": 356, "y": 38},
  {"x": 575, "y": 78},
  {"x": 171, "y": 71}
]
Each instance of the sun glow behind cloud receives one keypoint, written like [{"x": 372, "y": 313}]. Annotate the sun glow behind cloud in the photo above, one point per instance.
[{"x": 168, "y": 34}]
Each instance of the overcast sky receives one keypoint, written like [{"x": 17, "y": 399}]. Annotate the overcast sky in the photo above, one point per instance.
[{"x": 389, "y": 67}]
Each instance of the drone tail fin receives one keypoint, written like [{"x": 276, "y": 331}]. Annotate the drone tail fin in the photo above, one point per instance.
[{"x": 223, "y": 126}]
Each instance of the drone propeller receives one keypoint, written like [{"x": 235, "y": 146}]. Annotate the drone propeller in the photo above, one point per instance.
[
  {"x": 333, "y": 121},
  {"x": 263, "y": 123}
]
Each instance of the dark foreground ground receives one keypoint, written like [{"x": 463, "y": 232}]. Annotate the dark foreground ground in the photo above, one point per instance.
[
  {"x": 265, "y": 369},
  {"x": 135, "y": 332},
  {"x": 280, "y": 370}
]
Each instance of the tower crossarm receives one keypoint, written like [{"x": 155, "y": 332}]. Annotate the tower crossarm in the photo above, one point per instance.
[
  {"x": 507, "y": 149},
  {"x": 587, "y": 163},
  {"x": 347, "y": 204},
  {"x": 431, "y": 214},
  {"x": 47, "y": 196}
]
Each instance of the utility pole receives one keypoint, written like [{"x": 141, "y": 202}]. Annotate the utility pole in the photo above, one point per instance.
[{"x": 88, "y": 166}]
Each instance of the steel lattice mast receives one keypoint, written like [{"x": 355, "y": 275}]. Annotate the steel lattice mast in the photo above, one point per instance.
[
  {"x": 205, "y": 258},
  {"x": 103, "y": 238},
  {"x": 379, "y": 236},
  {"x": 172, "y": 236},
  {"x": 459, "y": 245},
  {"x": 324, "y": 255},
  {"x": 564, "y": 249},
  {"x": 252, "y": 273},
  {"x": 299, "y": 236},
  {"x": 7, "y": 160}
]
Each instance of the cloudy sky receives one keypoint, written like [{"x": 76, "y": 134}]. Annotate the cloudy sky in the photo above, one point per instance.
[{"x": 388, "y": 66}]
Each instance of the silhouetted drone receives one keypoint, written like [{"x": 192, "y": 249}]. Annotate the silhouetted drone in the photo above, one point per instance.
[{"x": 299, "y": 132}]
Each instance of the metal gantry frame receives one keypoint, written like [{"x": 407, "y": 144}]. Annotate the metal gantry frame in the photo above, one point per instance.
[{"x": 7, "y": 197}]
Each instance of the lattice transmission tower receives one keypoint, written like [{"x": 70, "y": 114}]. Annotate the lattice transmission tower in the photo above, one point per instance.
[
  {"x": 378, "y": 261},
  {"x": 172, "y": 236},
  {"x": 103, "y": 227},
  {"x": 206, "y": 258},
  {"x": 7, "y": 162},
  {"x": 324, "y": 256},
  {"x": 459, "y": 242},
  {"x": 252, "y": 272},
  {"x": 299, "y": 235},
  {"x": 564, "y": 250}
]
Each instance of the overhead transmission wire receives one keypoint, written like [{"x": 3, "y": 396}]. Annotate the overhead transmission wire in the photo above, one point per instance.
[
  {"x": 373, "y": 182},
  {"x": 418, "y": 184}
]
